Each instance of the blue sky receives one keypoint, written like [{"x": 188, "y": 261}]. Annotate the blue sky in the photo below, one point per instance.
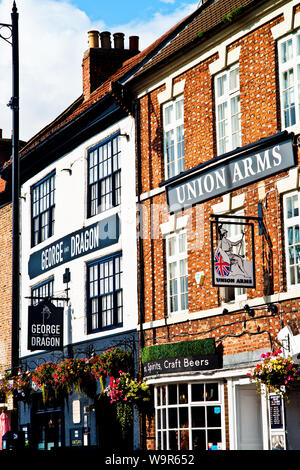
[
  {"x": 53, "y": 38},
  {"x": 120, "y": 11}
]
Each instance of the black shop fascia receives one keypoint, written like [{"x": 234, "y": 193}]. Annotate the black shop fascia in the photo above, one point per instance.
[{"x": 231, "y": 171}]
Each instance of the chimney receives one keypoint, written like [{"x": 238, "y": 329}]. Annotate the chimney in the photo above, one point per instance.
[
  {"x": 93, "y": 39},
  {"x": 134, "y": 43},
  {"x": 0, "y": 133},
  {"x": 99, "y": 63},
  {"x": 105, "y": 40},
  {"x": 119, "y": 40}
]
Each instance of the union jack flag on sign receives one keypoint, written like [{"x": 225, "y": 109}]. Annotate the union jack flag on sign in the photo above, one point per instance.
[{"x": 221, "y": 266}]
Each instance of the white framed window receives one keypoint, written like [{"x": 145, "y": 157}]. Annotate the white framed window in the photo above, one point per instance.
[
  {"x": 173, "y": 135},
  {"x": 291, "y": 203},
  {"x": 189, "y": 416},
  {"x": 177, "y": 272},
  {"x": 289, "y": 79},
  {"x": 228, "y": 110}
]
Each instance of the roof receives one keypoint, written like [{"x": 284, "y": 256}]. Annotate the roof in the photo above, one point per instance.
[
  {"x": 209, "y": 16},
  {"x": 203, "y": 19}
]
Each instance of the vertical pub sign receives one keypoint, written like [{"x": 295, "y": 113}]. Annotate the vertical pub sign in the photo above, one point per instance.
[
  {"x": 45, "y": 327},
  {"x": 232, "y": 253}
]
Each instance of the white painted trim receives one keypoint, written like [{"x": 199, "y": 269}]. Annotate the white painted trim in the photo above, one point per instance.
[
  {"x": 290, "y": 182},
  {"x": 151, "y": 193},
  {"x": 226, "y": 58},
  {"x": 287, "y": 24},
  {"x": 229, "y": 204},
  {"x": 171, "y": 91}
]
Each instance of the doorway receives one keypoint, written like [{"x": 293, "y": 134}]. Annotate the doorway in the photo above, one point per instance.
[
  {"x": 292, "y": 414},
  {"x": 248, "y": 418},
  {"x": 47, "y": 425}
]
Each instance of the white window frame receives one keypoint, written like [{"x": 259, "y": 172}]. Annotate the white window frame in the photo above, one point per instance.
[
  {"x": 290, "y": 222},
  {"x": 231, "y": 137},
  {"x": 173, "y": 123},
  {"x": 176, "y": 259},
  {"x": 289, "y": 61},
  {"x": 162, "y": 407}
]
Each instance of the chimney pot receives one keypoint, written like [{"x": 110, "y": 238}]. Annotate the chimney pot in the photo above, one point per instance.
[
  {"x": 105, "y": 40},
  {"x": 93, "y": 39},
  {"x": 119, "y": 40},
  {"x": 134, "y": 43}
]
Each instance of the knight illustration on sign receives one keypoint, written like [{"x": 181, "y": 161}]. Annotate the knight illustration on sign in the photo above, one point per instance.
[{"x": 226, "y": 261}]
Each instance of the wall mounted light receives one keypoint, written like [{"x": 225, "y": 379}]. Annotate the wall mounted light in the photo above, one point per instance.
[
  {"x": 249, "y": 310},
  {"x": 272, "y": 308}
]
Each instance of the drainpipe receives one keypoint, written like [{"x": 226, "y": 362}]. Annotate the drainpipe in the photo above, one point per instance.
[{"x": 141, "y": 252}]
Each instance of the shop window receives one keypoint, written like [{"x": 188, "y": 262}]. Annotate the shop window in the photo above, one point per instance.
[
  {"x": 105, "y": 295},
  {"x": 228, "y": 112},
  {"x": 173, "y": 127},
  {"x": 189, "y": 416},
  {"x": 292, "y": 237},
  {"x": 42, "y": 209},
  {"x": 289, "y": 79},
  {"x": 42, "y": 291},
  {"x": 177, "y": 272},
  {"x": 104, "y": 176}
]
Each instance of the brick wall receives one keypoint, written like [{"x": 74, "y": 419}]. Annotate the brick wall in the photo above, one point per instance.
[
  {"x": 233, "y": 332},
  {"x": 5, "y": 286}
]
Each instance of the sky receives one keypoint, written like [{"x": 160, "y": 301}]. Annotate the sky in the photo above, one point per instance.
[{"x": 52, "y": 40}]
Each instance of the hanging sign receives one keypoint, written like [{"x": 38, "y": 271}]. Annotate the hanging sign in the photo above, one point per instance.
[
  {"x": 232, "y": 254},
  {"x": 86, "y": 240},
  {"x": 45, "y": 327},
  {"x": 231, "y": 171},
  {"x": 276, "y": 412}
]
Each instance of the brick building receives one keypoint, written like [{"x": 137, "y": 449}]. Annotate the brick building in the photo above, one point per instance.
[
  {"x": 218, "y": 200},
  {"x": 5, "y": 253}
]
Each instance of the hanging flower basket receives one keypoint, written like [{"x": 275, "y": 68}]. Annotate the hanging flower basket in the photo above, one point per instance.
[
  {"x": 124, "y": 392},
  {"x": 277, "y": 373},
  {"x": 74, "y": 374},
  {"x": 111, "y": 362},
  {"x": 22, "y": 386},
  {"x": 43, "y": 379},
  {"x": 19, "y": 386}
]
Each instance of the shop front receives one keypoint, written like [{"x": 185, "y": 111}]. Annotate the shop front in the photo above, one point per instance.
[{"x": 82, "y": 415}]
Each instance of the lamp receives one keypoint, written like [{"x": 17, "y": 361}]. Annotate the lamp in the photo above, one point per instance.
[
  {"x": 272, "y": 308},
  {"x": 249, "y": 310}
]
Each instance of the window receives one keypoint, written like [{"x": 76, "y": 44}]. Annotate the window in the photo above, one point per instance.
[
  {"x": 42, "y": 209},
  {"x": 42, "y": 291},
  {"x": 188, "y": 416},
  {"x": 104, "y": 176},
  {"x": 228, "y": 113},
  {"x": 177, "y": 272},
  {"x": 292, "y": 237},
  {"x": 105, "y": 297},
  {"x": 289, "y": 79},
  {"x": 173, "y": 123}
]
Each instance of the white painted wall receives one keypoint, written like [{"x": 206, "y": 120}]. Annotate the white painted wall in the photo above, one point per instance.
[{"x": 70, "y": 215}]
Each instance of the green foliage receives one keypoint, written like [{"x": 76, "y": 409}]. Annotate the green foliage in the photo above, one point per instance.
[
  {"x": 233, "y": 14},
  {"x": 185, "y": 348}
]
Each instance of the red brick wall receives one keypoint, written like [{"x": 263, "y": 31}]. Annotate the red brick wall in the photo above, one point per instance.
[
  {"x": 260, "y": 118},
  {"x": 5, "y": 286}
]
